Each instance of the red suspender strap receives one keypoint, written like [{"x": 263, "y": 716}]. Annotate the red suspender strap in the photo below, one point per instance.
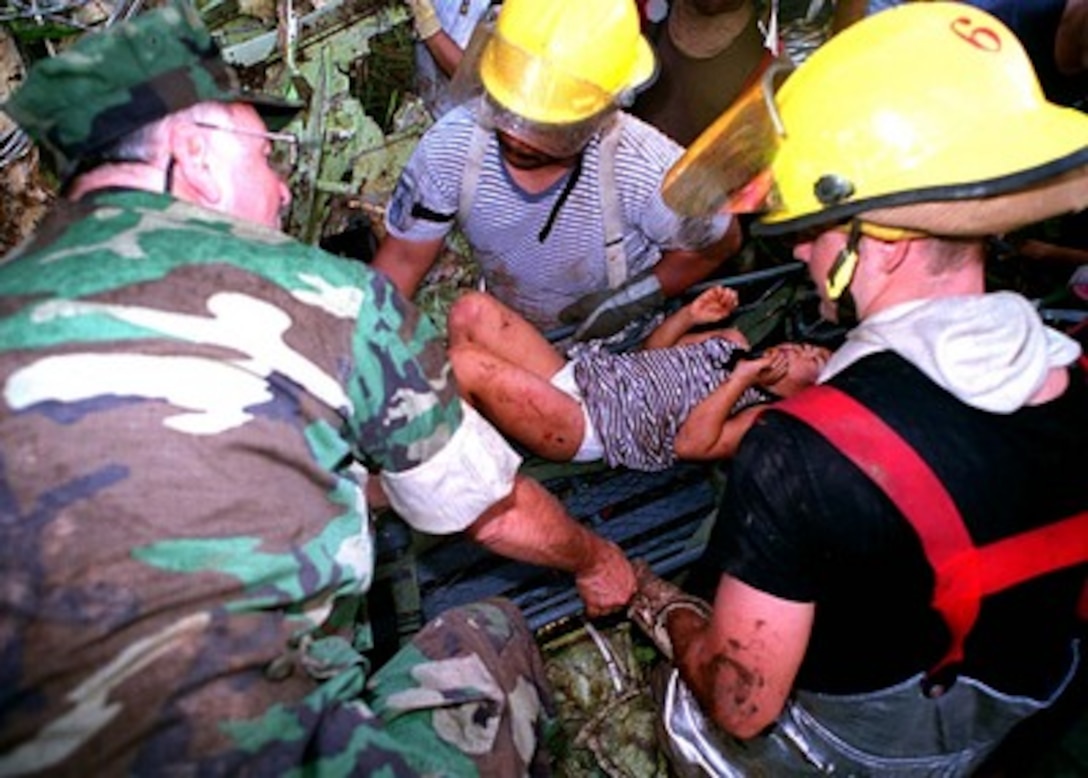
[{"x": 963, "y": 573}]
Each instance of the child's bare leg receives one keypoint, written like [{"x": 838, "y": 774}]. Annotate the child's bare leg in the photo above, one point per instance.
[
  {"x": 480, "y": 319},
  {"x": 523, "y": 405}
]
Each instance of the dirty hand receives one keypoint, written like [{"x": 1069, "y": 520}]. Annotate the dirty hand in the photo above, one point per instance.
[
  {"x": 603, "y": 313},
  {"x": 652, "y": 602},
  {"x": 608, "y": 584},
  {"x": 424, "y": 18},
  {"x": 714, "y": 304}
]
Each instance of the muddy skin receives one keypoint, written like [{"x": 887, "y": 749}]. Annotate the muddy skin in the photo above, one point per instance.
[{"x": 734, "y": 686}]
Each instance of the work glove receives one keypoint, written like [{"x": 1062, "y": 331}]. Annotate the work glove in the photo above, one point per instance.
[
  {"x": 424, "y": 18},
  {"x": 603, "y": 313},
  {"x": 654, "y": 599}
]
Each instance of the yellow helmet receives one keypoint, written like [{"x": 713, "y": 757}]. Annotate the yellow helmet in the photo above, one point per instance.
[
  {"x": 924, "y": 117},
  {"x": 564, "y": 61}
]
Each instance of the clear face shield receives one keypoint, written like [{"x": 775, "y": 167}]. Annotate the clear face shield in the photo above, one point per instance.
[
  {"x": 465, "y": 84},
  {"x": 728, "y": 166},
  {"x": 523, "y": 95},
  {"x": 559, "y": 141}
]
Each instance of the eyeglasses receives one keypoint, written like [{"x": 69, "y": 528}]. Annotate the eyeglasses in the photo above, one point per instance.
[{"x": 284, "y": 156}]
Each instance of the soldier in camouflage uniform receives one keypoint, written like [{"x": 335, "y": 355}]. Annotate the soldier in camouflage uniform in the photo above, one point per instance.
[{"x": 191, "y": 404}]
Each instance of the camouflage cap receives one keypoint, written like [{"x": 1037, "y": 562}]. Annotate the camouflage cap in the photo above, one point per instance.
[{"x": 113, "y": 82}]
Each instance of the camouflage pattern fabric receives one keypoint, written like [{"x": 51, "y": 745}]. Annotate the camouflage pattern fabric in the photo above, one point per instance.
[
  {"x": 183, "y": 527},
  {"x": 470, "y": 693}
]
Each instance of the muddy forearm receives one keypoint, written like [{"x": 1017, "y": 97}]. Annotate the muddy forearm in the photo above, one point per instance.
[
  {"x": 405, "y": 263},
  {"x": 531, "y": 525},
  {"x": 724, "y": 688},
  {"x": 677, "y": 270}
]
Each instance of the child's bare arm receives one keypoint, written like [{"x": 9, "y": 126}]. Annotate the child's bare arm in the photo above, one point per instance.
[
  {"x": 725, "y": 445},
  {"x": 713, "y": 304},
  {"x": 709, "y": 431}
]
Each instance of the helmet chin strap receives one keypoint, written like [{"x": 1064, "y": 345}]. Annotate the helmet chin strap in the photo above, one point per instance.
[
  {"x": 168, "y": 176},
  {"x": 846, "y": 313},
  {"x": 841, "y": 275}
]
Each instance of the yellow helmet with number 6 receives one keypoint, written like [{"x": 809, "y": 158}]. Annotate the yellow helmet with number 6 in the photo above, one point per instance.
[
  {"x": 564, "y": 61},
  {"x": 926, "y": 117}
]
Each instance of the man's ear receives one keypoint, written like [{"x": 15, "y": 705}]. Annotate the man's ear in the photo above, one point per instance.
[
  {"x": 193, "y": 174},
  {"x": 891, "y": 254}
]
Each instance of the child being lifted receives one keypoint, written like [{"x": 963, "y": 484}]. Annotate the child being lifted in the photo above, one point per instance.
[{"x": 683, "y": 395}]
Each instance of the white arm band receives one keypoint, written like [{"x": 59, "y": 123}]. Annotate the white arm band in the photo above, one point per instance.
[{"x": 450, "y": 490}]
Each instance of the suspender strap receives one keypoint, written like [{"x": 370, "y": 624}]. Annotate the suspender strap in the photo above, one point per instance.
[
  {"x": 474, "y": 163},
  {"x": 963, "y": 573},
  {"x": 867, "y": 441},
  {"x": 1013, "y": 560},
  {"x": 612, "y": 215}
]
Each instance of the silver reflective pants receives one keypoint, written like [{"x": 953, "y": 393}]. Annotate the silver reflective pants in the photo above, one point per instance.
[{"x": 893, "y": 732}]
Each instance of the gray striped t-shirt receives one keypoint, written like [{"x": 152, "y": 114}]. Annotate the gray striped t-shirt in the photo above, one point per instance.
[
  {"x": 538, "y": 271},
  {"x": 637, "y": 400}
]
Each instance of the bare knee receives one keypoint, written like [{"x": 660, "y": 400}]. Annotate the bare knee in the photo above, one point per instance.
[{"x": 468, "y": 313}]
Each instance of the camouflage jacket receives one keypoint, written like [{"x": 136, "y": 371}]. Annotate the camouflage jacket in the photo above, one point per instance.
[{"x": 189, "y": 403}]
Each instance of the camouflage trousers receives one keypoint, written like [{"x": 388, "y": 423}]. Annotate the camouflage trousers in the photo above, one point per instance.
[{"x": 468, "y": 696}]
